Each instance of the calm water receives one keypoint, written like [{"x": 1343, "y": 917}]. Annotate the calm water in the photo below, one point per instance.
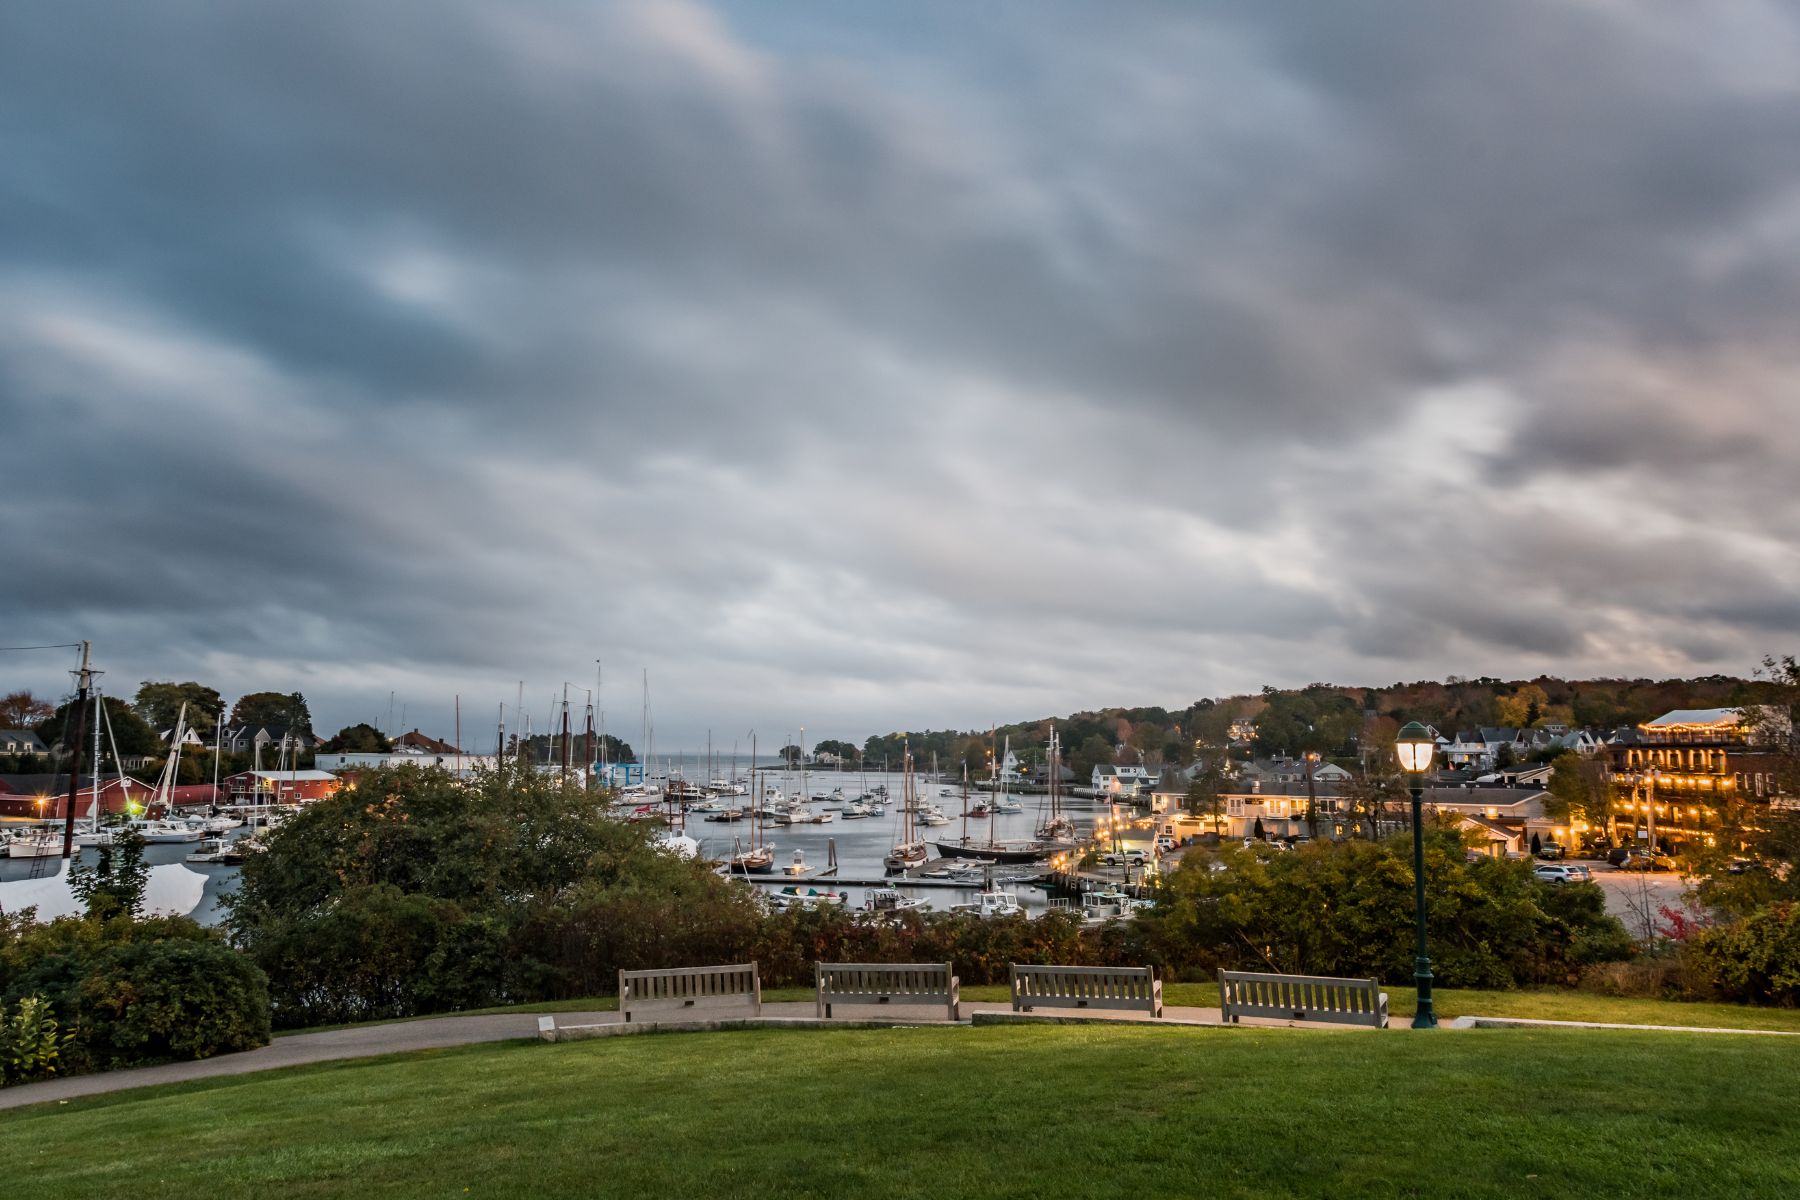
[{"x": 860, "y": 844}]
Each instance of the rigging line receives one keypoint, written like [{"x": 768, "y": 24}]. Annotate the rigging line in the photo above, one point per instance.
[{"x": 57, "y": 646}]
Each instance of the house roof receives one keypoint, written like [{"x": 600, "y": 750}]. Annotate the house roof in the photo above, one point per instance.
[
  {"x": 287, "y": 776},
  {"x": 25, "y": 737},
  {"x": 430, "y": 745},
  {"x": 1496, "y": 830},
  {"x": 1708, "y": 718}
]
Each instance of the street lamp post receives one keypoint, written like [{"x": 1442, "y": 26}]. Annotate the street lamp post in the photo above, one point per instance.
[{"x": 1414, "y": 747}]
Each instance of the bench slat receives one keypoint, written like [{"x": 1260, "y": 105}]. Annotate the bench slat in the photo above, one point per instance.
[
  {"x": 1302, "y": 998},
  {"x": 880, "y": 983},
  {"x": 1085, "y": 987},
  {"x": 690, "y": 987}
]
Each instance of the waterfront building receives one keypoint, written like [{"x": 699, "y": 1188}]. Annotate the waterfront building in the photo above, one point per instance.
[{"x": 1680, "y": 774}]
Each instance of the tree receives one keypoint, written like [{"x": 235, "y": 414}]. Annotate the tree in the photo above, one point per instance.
[
  {"x": 1317, "y": 717},
  {"x": 114, "y": 885},
  {"x": 791, "y": 755},
  {"x": 22, "y": 710},
  {"x": 361, "y": 738},
  {"x": 1768, "y": 833},
  {"x": 844, "y": 750},
  {"x": 134, "y": 737},
  {"x": 158, "y": 703},
  {"x": 1368, "y": 799},
  {"x": 1580, "y": 790},
  {"x": 1206, "y": 795},
  {"x": 273, "y": 710},
  {"x": 1093, "y": 752}
]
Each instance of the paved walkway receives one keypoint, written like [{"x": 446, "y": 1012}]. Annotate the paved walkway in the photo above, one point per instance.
[{"x": 366, "y": 1041}]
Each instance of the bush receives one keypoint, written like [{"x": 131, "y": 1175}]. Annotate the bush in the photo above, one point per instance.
[
  {"x": 145, "y": 1002},
  {"x": 30, "y": 1044},
  {"x": 126, "y": 992},
  {"x": 1347, "y": 910},
  {"x": 1755, "y": 960},
  {"x": 1649, "y": 978}
]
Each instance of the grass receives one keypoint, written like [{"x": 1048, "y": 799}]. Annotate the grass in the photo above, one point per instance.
[
  {"x": 1067, "y": 1111},
  {"x": 1546, "y": 1004}
]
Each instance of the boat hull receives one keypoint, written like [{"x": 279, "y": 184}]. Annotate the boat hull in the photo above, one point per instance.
[{"x": 1003, "y": 852}]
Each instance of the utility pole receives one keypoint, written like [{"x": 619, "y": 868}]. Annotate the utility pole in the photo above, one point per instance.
[{"x": 84, "y": 682}]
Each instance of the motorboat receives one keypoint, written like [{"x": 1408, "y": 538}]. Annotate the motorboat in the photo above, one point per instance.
[
  {"x": 161, "y": 832},
  {"x": 932, "y": 815},
  {"x": 887, "y": 900},
  {"x": 215, "y": 850},
  {"x": 1005, "y": 806},
  {"x": 45, "y": 844},
  {"x": 994, "y": 903},
  {"x": 677, "y": 843},
  {"x": 794, "y": 896},
  {"x": 1107, "y": 904}
]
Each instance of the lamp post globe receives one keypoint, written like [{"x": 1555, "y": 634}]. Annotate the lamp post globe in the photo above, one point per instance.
[{"x": 1414, "y": 746}]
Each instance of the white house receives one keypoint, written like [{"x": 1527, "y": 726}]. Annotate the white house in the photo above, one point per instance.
[
  {"x": 21, "y": 741},
  {"x": 1121, "y": 782}
]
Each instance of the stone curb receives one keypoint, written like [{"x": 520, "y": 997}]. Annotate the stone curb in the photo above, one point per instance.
[{"x": 1537, "y": 1023}]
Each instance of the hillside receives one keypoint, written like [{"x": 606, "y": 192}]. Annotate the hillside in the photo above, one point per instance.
[{"x": 1331, "y": 718}]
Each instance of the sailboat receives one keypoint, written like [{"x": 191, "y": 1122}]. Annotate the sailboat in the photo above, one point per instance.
[
  {"x": 1006, "y": 852},
  {"x": 911, "y": 851},
  {"x": 759, "y": 857}
]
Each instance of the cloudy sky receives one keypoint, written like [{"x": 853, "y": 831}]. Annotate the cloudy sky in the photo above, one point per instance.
[{"x": 866, "y": 366}]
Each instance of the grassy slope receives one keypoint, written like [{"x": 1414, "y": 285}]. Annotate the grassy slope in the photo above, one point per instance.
[
  {"x": 1038, "y": 1112},
  {"x": 1546, "y": 1004}
]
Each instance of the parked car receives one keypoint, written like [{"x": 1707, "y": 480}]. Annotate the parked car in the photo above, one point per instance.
[
  {"x": 1117, "y": 858},
  {"x": 1550, "y": 851},
  {"x": 1553, "y": 873},
  {"x": 1579, "y": 872},
  {"x": 1617, "y": 855},
  {"x": 1647, "y": 860},
  {"x": 1165, "y": 842}
]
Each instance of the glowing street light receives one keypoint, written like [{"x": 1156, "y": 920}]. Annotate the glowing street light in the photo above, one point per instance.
[{"x": 1414, "y": 747}]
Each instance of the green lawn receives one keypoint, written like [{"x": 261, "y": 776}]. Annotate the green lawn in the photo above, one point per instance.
[
  {"x": 1547, "y": 1004},
  {"x": 1044, "y": 1112}
]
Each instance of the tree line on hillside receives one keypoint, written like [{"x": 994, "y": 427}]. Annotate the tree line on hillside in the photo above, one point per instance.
[
  {"x": 1348, "y": 724},
  {"x": 138, "y": 728}
]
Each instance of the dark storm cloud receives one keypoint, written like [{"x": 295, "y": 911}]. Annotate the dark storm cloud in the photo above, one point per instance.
[{"x": 884, "y": 370}]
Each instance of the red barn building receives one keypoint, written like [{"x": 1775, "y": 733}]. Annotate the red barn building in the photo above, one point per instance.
[
  {"x": 47, "y": 796},
  {"x": 280, "y": 787}
]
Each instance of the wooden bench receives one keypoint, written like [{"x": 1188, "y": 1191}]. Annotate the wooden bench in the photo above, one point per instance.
[
  {"x": 1301, "y": 998},
  {"x": 1128, "y": 988},
  {"x": 884, "y": 983},
  {"x": 684, "y": 988}
]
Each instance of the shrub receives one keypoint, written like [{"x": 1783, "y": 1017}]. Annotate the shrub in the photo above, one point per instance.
[
  {"x": 126, "y": 991},
  {"x": 1754, "y": 960},
  {"x": 150, "y": 1001},
  {"x": 30, "y": 1044},
  {"x": 1347, "y": 910},
  {"x": 1650, "y": 978}
]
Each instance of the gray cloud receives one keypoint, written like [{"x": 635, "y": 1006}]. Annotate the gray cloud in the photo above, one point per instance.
[{"x": 865, "y": 372}]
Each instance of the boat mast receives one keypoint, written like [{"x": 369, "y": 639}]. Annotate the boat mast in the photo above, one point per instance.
[
  {"x": 85, "y": 677},
  {"x": 218, "y": 752},
  {"x": 94, "y": 789},
  {"x": 568, "y": 747}
]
